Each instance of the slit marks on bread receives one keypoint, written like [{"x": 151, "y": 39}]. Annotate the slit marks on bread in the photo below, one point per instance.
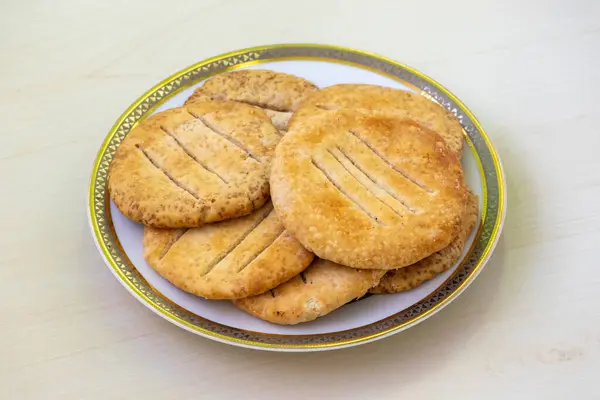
[
  {"x": 262, "y": 250},
  {"x": 344, "y": 193},
  {"x": 193, "y": 157},
  {"x": 370, "y": 184},
  {"x": 406, "y": 176},
  {"x": 235, "y": 244},
  {"x": 226, "y": 136},
  {"x": 176, "y": 236},
  {"x": 166, "y": 173}
]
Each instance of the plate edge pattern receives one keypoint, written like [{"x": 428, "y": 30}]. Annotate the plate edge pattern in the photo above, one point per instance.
[{"x": 494, "y": 196}]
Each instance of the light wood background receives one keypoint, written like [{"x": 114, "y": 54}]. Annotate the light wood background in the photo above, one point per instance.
[{"x": 528, "y": 328}]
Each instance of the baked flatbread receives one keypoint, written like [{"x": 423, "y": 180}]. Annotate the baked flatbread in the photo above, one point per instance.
[
  {"x": 410, "y": 277},
  {"x": 231, "y": 259},
  {"x": 322, "y": 288},
  {"x": 276, "y": 93},
  {"x": 387, "y": 100},
  {"x": 183, "y": 167},
  {"x": 367, "y": 191}
]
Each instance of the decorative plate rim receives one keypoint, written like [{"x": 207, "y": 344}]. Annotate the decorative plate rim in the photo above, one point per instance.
[{"x": 491, "y": 171}]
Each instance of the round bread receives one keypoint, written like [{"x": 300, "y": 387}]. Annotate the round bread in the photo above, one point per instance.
[
  {"x": 231, "y": 259},
  {"x": 322, "y": 288},
  {"x": 367, "y": 191},
  {"x": 276, "y": 93},
  {"x": 190, "y": 165},
  {"x": 410, "y": 277},
  {"x": 384, "y": 99}
]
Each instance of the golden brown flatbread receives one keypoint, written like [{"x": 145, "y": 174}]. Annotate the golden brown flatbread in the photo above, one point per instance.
[
  {"x": 410, "y": 277},
  {"x": 367, "y": 191},
  {"x": 321, "y": 289},
  {"x": 186, "y": 166},
  {"x": 387, "y": 100},
  {"x": 276, "y": 93},
  {"x": 231, "y": 259}
]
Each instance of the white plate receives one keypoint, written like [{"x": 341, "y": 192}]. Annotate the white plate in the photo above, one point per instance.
[{"x": 120, "y": 240}]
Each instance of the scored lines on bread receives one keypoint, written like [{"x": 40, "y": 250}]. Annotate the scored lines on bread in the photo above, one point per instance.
[
  {"x": 154, "y": 162},
  {"x": 225, "y": 136},
  {"x": 350, "y": 168}
]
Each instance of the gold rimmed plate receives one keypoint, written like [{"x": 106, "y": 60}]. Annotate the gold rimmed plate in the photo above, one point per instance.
[{"x": 119, "y": 240}]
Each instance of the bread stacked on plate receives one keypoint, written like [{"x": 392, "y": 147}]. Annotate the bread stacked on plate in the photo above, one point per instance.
[{"x": 293, "y": 201}]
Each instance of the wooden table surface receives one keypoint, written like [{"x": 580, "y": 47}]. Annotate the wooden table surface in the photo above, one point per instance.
[{"x": 528, "y": 328}]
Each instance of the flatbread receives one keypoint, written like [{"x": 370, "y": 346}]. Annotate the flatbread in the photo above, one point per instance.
[
  {"x": 276, "y": 93},
  {"x": 321, "y": 289},
  {"x": 186, "y": 166},
  {"x": 231, "y": 259},
  {"x": 410, "y": 277},
  {"x": 367, "y": 191},
  {"x": 384, "y": 99}
]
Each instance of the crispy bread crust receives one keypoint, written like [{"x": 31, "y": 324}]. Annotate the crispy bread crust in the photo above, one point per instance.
[
  {"x": 414, "y": 275},
  {"x": 237, "y": 258},
  {"x": 186, "y": 166},
  {"x": 321, "y": 289},
  {"x": 367, "y": 191},
  {"x": 278, "y": 94},
  {"x": 384, "y": 99}
]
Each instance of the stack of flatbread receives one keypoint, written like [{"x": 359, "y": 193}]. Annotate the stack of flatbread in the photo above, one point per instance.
[{"x": 293, "y": 201}]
